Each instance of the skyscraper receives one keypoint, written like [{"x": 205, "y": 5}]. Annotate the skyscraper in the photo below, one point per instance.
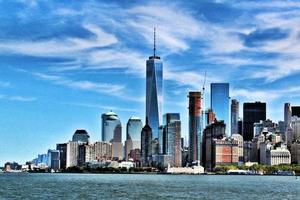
[
  {"x": 154, "y": 86},
  {"x": 220, "y": 103},
  {"x": 111, "y": 127},
  {"x": 252, "y": 112},
  {"x": 173, "y": 138},
  {"x": 112, "y": 132},
  {"x": 62, "y": 148},
  {"x": 133, "y": 136},
  {"x": 287, "y": 115},
  {"x": 194, "y": 126},
  {"x": 296, "y": 111},
  {"x": 146, "y": 145},
  {"x": 81, "y": 135},
  {"x": 234, "y": 116}
]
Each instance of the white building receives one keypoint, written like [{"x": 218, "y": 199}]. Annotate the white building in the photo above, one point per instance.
[
  {"x": 278, "y": 156},
  {"x": 72, "y": 154}
]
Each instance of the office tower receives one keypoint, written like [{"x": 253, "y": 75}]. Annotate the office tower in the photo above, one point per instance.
[
  {"x": 133, "y": 136},
  {"x": 220, "y": 103},
  {"x": 53, "y": 159},
  {"x": 112, "y": 132},
  {"x": 72, "y": 154},
  {"x": 295, "y": 125},
  {"x": 167, "y": 118},
  {"x": 146, "y": 145},
  {"x": 62, "y": 148},
  {"x": 101, "y": 151},
  {"x": 111, "y": 127},
  {"x": 234, "y": 116},
  {"x": 173, "y": 137},
  {"x": 252, "y": 112},
  {"x": 296, "y": 111},
  {"x": 194, "y": 126},
  {"x": 154, "y": 87},
  {"x": 287, "y": 115},
  {"x": 240, "y": 127},
  {"x": 81, "y": 135}
]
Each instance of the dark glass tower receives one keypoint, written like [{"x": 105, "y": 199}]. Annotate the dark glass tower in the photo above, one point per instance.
[
  {"x": 154, "y": 85},
  {"x": 252, "y": 113},
  {"x": 234, "y": 116}
]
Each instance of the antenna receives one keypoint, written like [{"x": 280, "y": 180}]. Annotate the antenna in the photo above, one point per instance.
[
  {"x": 154, "y": 44},
  {"x": 203, "y": 88}
]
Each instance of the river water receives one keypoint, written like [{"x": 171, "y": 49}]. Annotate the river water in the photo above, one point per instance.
[{"x": 146, "y": 186}]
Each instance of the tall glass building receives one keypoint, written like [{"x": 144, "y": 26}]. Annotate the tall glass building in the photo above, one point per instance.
[
  {"x": 154, "y": 97},
  {"x": 111, "y": 127},
  {"x": 220, "y": 103},
  {"x": 133, "y": 136}
]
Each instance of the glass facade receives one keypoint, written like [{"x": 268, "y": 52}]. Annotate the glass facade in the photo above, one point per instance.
[
  {"x": 220, "y": 103},
  {"x": 111, "y": 127},
  {"x": 134, "y": 128},
  {"x": 154, "y": 86}
]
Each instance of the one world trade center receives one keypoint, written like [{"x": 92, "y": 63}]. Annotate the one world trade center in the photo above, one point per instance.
[{"x": 154, "y": 86}]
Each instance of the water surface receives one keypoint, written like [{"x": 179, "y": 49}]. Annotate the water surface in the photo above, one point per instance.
[{"x": 136, "y": 186}]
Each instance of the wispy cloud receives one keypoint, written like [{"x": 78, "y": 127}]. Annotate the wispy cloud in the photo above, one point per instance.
[
  {"x": 4, "y": 84},
  {"x": 18, "y": 98}
]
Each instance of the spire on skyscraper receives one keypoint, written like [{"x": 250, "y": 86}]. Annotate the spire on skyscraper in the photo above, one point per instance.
[{"x": 154, "y": 43}]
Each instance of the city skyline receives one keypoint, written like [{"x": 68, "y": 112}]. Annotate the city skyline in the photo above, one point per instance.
[{"x": 59, "y": 77}]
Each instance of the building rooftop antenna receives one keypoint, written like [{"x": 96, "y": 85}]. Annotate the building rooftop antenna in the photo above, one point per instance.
[{"x": 154, "y": 43}]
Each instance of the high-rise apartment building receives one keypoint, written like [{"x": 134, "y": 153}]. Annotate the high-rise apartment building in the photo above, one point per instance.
[{"x": 195, "y": 135}]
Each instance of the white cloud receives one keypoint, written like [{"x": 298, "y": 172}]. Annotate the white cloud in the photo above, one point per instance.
[
  {"x": 60, "y": 47},
  {"x": 17, "y": 98}
]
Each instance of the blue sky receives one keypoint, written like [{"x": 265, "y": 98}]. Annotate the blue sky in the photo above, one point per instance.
[{"x": 63, "y": 63}]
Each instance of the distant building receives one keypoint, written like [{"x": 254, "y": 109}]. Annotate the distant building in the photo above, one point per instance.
[
  {"x": 287, "y": 115},
  {"x": 81, "y": 135},
  {"x": 220, "y": 103},
  {"x": 146, "y": 145},
  {"x": 295, "y": 153},
  {"x": 240, "y": 141},
  {"x": 295, "y": 111},
  {"x": 194, "y": 126},
  {"x": 278, "y": 156},
  {"x": 173, "y": 138},
  {"x": 101, "y": 151},
  {"x": 213, "y": 131},
  {"x": 295, "y": 125},
  {"x": 112, "y": 132},
  {"x": 240, "y": 127},
  {"x": 210, "y": 117},
  {"x": 234, "y": 116},
  {"x": 133, "y": 136},
  {"x": 252, "y": 112},
  {"x": 54, "y": 159},
  {"x": 62, "y": 148},
  {"x": 224, "y": 151},
  {"x": 72, "y": 154},
  {"x": 154, "y": 91}
]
